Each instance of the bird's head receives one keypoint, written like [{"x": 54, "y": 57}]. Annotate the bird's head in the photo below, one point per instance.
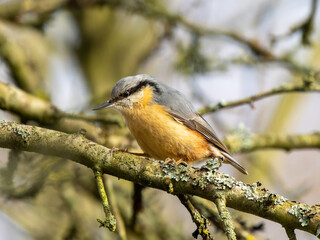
[{"x": 133, "y": 91}]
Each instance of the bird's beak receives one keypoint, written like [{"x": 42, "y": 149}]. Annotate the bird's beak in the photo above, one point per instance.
[{"x": 103, "y": 105}]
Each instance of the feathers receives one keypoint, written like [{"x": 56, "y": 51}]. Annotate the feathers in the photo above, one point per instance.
[
  {"x": 183, "y": 112},
  {"x": 234, "y": 163},
  {"x": 201, "y": 126}
]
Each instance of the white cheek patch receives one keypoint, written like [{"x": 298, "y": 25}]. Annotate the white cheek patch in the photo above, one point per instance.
[
  {"x": 136, "y": 97},
  {"x": 129, "y": 102}
]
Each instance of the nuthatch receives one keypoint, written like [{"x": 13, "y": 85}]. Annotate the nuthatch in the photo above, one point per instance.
[{"x": 165, "y": 123}]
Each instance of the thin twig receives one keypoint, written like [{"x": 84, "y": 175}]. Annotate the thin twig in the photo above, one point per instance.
[
  {"x": 249, "y": 100},
  {"x": 197, "y": 218},
  {"x": 226, "y": 219},
  {"x": 305, "y": 27},
  {"x": 121, "y": 228},
  {"x": 209, "y": 210},
  {"x": 110, "y": 221}
]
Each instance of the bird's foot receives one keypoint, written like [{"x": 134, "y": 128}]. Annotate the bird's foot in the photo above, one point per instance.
[
  {"x": 174, "y": 162},
  {"x": 181, "y": 162},
  {"x": 169, "y": 161}
]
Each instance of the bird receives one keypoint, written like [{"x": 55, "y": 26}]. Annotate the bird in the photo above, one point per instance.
[{"x": 164, "y": 123}]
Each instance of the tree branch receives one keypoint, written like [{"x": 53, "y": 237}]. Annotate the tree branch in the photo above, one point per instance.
[
  {"x": 197, "y": 218},
  {"x": 121, "y": 228},
  {"x": 110, "y": 221},
  {"x": 305, "y": 27},
  {"x": 306, "y": 86},
  {"x": 30, "y": 107},
  {"x": 177, "y": 179},
  {"x": 150, "y": 9},
  {"x": 210, "y": 211},
  {"x": 225, "y": 216},
  {"x": 244, "y": 141}
]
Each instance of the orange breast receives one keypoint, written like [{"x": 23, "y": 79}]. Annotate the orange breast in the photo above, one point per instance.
[{"x": 161, "y": 137}]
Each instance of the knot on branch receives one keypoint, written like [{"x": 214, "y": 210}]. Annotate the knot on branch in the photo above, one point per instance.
[{"x": 109, "y": 222}]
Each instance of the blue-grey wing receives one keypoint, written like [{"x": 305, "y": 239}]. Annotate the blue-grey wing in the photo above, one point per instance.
[{"x": 183, "y": 112}]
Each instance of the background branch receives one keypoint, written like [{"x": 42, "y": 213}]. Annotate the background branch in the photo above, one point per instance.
[
  {"x": 210, "y": 211},
  {"x": 30, "y": 107},
  {"x": 242, "y": 141},
  {"x": 305, "y": 27},
  {"x": 197, "y": 218},
  {"x": 311, "y": 86}
]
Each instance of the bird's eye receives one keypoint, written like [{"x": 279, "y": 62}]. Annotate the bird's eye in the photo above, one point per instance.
[{"x": 126, "y": 94}]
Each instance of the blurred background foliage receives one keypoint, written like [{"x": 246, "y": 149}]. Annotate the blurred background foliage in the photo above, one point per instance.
[{"x": 72, "y": 53}]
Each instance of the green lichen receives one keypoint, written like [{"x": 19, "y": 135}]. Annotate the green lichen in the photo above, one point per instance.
[
  {"x": 205, "y": 175},
  {"x": 109, "y": 223},
  {"x": 280, "y": 200},
  {"x": 213, "y": 164},
  {"x": 252, "y": 193},
  {"x": 301, "y": 212},
  {"x": 318, "y": 232},
  {"x": 15, "y": 128},
  {"x": 178, "y": 172},
  {"x": 3, "y": 123},
  {"x": 223, "y": 181}
]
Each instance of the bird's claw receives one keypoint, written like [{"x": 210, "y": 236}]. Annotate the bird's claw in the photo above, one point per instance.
[
  {"x": 172, "y": 161},
  {"x": 169, "y": 161},
  {"x": 182, "y": 163}
]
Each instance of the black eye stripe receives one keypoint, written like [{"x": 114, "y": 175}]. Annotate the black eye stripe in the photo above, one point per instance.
[{"x": 135, "y": 89}]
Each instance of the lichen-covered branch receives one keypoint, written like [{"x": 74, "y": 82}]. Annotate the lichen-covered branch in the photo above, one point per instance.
[
  {"x": 302, "y": 87},
  {"x": 177, "y": 179},
  {"x": 226, "y": 219},
  {"x": 110, "y": 221},
  {"x": 121, "y": 228},
  {"x": 197, "y": 218},
  {"x": 210, "y": 211},
  {"x": 242, "y": 141}
]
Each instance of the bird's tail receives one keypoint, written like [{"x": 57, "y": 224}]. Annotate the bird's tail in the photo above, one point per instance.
[{"x": 234, "y": 163}]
